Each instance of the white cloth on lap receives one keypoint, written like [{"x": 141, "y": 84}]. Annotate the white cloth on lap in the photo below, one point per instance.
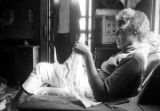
[{"x": 71, "y": 77}]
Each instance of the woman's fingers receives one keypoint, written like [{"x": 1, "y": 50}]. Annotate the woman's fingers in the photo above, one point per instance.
[
  {"x": 78, "y": 51},
  {"x": 78, "y": 47}
]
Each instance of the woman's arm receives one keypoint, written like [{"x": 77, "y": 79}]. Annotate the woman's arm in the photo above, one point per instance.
[
  {"x": 126, "y": 76},
  {"x": 95, "y": 81}
]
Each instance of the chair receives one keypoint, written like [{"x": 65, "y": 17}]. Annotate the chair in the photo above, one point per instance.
[{"x": 149, "y": 94}]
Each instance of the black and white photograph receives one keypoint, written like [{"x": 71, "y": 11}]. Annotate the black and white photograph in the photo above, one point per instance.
[{"x": 79, "y": 55}]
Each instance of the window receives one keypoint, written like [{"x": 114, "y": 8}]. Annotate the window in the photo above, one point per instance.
[{"x": 85, "y": 21}]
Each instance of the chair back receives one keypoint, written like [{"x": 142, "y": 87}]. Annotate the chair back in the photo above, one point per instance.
[{"x": 150, "y": 93}]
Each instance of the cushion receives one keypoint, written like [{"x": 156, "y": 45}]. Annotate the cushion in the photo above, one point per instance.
[{"x": 154, "y": 40}]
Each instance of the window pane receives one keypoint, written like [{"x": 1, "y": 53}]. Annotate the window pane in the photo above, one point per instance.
[
  {"x": 82, "y": 4},
  {"x": 82, "y": 37},
  {"x": 82, "y": 23}
]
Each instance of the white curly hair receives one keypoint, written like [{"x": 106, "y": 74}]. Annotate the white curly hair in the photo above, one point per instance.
[{"x": 134, "y": 21}]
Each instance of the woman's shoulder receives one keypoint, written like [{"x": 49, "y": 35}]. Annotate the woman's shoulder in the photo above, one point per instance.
[
  {"x": 136, "y": 56},
  {"x": 139, "y": 57}
]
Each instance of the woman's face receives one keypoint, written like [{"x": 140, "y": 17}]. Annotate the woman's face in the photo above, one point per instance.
[{"x": 124, "y": 39}]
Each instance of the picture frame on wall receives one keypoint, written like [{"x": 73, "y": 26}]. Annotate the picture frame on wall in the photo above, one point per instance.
[{"x": 108, "y": 25}]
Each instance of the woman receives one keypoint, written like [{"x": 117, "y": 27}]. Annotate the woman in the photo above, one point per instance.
[{"x": 120, "y": 75}]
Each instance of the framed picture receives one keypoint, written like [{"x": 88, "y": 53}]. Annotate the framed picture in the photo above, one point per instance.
[{"x": 108, "y": 25}]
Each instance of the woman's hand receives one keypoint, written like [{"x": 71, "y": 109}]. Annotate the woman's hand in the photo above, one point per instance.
[{"x": 81, "y": 48}]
